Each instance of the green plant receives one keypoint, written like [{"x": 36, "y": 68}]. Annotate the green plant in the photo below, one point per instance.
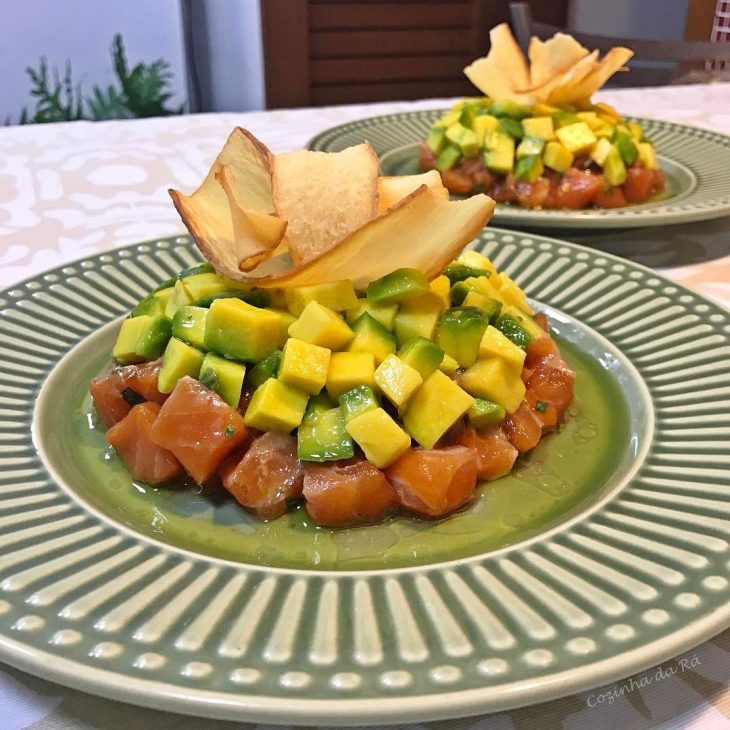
[{"x": 142, "y": 91}]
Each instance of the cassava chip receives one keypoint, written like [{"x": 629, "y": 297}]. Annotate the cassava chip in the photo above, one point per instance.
[
  {"x": 324, "y": 196},
  {"x": 503, "y": 69},
  {"x": 602, "y": 72},
  {"x": 392, "y": 190},
  {"x": 552, "y": 57},
  {"x": 256, "y": 235},
  {"x": 423, "y": 231},
  {"x": 567, "y": 79},
  {"x": 207, "y": 212}
]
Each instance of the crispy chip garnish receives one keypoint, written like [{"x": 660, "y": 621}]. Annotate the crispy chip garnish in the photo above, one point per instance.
[
  {"x": 566, "y": 79},
  {"x": 324, "y": 196},
  {"x": 613, "y": 61},
  {"x": 392, "y": 190},
  {"x": 552, "y": 57},
  {"x": 503, "y": 69}
]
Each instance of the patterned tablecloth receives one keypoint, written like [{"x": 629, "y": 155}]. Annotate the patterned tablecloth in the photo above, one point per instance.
[{"x": 71, "y": 190}]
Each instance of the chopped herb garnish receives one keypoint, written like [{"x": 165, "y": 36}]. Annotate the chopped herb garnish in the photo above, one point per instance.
[
  {"x": 208, "y": 378},
  {"x": 541, "y": 406},
  {"x": 230, "y": 431},
  {"x": 132, "y": 397}
]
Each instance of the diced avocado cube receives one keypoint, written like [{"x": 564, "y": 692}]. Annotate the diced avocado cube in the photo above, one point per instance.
[
  {"x": 254, "y": 297},
  {"x": 485, "y": 413},
  {"x": 383, "y": 313},
  {"x": 203, "y": 285},
  {"x": 371, "y": 336},
  {"x": 605, "y": 131},
  {"x": 493, "y": 379},
  {"x": 241, "y": 332},
  {"x": 188, "y": 325},
  {"x": 460, "y": 331},
  {"x": 422, "y": 355},
  {"x": 469, "y": 143},
  {"x": 499, "y": 152},
  {"x": 179, "y": 298},
  {"x": 447, "y": 158},
  {"x": 379, "y": 436},
  {"x": 508, "y": 108},
  {"x": 434, "y": 408},
  {"x": 166, "y": 284},
  {"x": 449, "y": 366},
  {"x": 647, "y": 155},
  {"x": 468, "y": 114},
  {"x": 627, "y": 149},
  {"x": 347, "y": 370},
  {"x": 436, "y": 139},
  {"x": 440, "y": 286},
  {"x": 321, "y": 326},
  {"x": 512, "y": 294},
  {"x": 265, "y": 369},
  {"x": 614, "y": 169},
  {"x": 496, "y": 344},
  {"x": 539, "y": 127},
  {"x": 304, "y": 366},
  {"x": 150, "y": 305},
  {"x": 322, "y": 435},
  {"x": 637, "y": 131},
  {"x": 179, "y": 360},
  {"x": 476, "y": 260},
  {"x": 455, "y": 132},
  {"x": 513, "y": 329},
  {"x": 600, "y": 152},
  {"x": 398, "y": 286},
  {"x": 563, "y": 118},
  {"x": 397, "y": 380},
  {"x": 457, "y": 271},
  {"x": 484, "y": 124},
  {"x": 530, "y": 146},
  {"x": 491, "y": 307},
  {"x": 527, "y": 322},
  {"x": 576, "y": 138},
  {"x": 511, "y": 127},
  {"x": 418, "y": 318},
  {"x": 141, "y": 338},
  {"x": 529, "y": 168},
  {"x": 337, "y": 296},
  {"x": 203, "y": 267},
  {"x": 276, "y": 406},
  {"x": 590, "y": 118},
  {"x": 286, "y": 320},
  {"x": 556, "y": 157},
  {"x": 223, "y": 376},
  {"x": 357, "y": 401}
]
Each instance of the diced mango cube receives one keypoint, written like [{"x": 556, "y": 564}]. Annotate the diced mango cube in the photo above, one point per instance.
[
  {"x": 647, "y": 155},
  {"x": 441, "y": 287},
  {"x": 600, "y": 152},
  {"x": 286, "y": 319},
  {"x": 556, "y": 157},
  {"x": 495, "y": 344},
  {"x": 436, "y": 406},
  {"x": 397, "y": 380},
  {"x": 576, "y": 138},
  {"x": 495, "y": 380},
  {"x": 336, "y": 295},
  {"x": 379, "y": 436},
  {"x": 591, "y": 119},
  {"x": 320, "y": 326},
  {"x": 304, "y": 365},
  {"x": 540, "y": 127},
  {"x": 276, "y": 406},
  {"x": 448, "y": 365},
  {"x": 347, "y": 370},
  {"x": 512, "y": 294}
]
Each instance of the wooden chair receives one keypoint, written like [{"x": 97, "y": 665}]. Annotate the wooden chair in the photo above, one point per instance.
[
  {"x": 678, "y": 57},
  {"x": 319, "y": 52}
]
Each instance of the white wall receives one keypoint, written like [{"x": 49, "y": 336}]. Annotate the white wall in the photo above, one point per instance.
[
  {"x": 654, "y": 19},
  {"x": 82, "y": 31}
]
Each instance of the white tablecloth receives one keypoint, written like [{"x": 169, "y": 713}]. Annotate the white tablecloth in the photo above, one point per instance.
[{"x": 70, "y": 190}]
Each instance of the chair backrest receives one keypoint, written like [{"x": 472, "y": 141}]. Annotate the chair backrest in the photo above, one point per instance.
[
  {"x": 319, "y": 52},
  {"x": 525, "y": 26}
]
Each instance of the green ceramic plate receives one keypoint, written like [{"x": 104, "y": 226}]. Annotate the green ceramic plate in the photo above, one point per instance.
[
  {"x": 696, "y": 162},
  {"x": 606, "y": 550}
]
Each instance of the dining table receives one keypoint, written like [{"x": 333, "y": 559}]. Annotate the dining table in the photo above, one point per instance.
[{"x": 73, "y": 189}]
